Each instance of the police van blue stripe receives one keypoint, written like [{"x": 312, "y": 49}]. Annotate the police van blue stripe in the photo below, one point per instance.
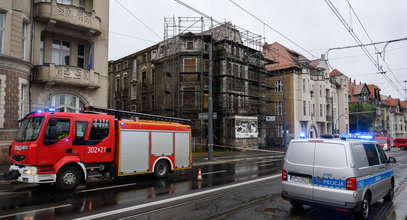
[{"x": 361, "y": 183}]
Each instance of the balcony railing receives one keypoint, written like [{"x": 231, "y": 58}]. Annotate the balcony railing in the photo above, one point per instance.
[
  {"x": 68, "y": 16},
  {"x": 67, "y": 75}
]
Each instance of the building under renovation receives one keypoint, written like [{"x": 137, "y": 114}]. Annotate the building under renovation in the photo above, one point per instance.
[{"x": 171, "y": 78}]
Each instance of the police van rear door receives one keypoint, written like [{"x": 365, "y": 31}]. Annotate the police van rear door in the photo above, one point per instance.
[{"x": 331, "y": 170}]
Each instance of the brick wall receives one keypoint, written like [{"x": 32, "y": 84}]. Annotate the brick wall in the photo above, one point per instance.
[{"x": 4, "y": 153}]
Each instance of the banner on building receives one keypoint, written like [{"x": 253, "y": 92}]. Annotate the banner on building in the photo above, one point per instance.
[{"x": 246, "y": 127}]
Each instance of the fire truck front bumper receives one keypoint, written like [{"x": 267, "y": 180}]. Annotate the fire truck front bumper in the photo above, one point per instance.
[{"x": 28, "y": 174}]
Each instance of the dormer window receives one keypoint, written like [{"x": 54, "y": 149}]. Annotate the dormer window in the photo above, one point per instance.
[{"x": 189, "y": 44}]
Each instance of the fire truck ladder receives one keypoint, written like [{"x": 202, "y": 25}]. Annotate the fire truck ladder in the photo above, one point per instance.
[{"x": 120, "y": 113}]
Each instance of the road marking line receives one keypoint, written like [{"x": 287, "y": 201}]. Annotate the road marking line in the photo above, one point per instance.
[
  {"x": 132, "y": 208},
  {"x": 36, "y": 210},
  {"x": 220, "y": 171},
  {"x": 268, "y": 164},
  {"x": 107, "y": 187}
]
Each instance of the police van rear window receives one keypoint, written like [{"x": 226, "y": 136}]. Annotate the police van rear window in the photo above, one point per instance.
[{"x": 330, "y": 155}]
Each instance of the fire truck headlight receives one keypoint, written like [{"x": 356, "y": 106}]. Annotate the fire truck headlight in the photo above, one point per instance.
[{"x": 30, "y": 172}]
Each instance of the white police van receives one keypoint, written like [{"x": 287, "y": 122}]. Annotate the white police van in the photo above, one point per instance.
[{"x": 345, "y": 175}]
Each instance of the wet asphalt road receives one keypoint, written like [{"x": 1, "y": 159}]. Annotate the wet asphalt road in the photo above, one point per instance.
[{"x": 142, "y": 196}]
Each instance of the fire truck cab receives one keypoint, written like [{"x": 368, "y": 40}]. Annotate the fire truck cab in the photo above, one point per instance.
[{"x": 68, "y": 148}]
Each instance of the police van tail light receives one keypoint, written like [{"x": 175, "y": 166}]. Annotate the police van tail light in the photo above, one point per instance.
[
  {"x": 284, "y": 175},
  {"x": 351, "y": 183}
]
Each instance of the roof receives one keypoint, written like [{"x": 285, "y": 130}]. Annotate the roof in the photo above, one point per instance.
[
  {"x": 372, "y": 88},
  {"x": 335, "y": 72},
  {"x": 353, "y": 99},
  {"x": 356, "y": 89},
  {"x": 392, "y": 102},
  {"x": 284, "y": 57},
  {"x": 403, "y": 104}
]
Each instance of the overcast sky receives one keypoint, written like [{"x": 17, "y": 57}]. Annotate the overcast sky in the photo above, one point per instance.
[{"x": 310, "y": 24}]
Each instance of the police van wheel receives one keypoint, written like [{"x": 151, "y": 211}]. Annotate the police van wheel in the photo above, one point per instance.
[
  {"x": 390, "y": 194},
  {"x": 68, "y": 178},
  {"x": 364, "y": 212},
  {"x": 296, "y": 205},
  {"x": 161, "y": 169}
]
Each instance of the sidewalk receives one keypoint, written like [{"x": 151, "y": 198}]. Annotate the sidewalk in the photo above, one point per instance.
[{"x": 399, "y": 211}]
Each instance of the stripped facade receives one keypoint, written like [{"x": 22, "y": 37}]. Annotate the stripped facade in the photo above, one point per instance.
[{"x": 171, "y": 78}]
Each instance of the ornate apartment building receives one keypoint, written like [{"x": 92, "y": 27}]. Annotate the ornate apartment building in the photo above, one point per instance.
[
  {"x": 171, "y": 78},
  {"x": 316, "y": 100},
  {"x": 52, "y": 53}
]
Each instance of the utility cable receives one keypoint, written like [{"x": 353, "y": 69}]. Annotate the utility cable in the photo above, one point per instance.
[
  {"x": 138, "y": 19},
  {"x": 273, "y": 29}
]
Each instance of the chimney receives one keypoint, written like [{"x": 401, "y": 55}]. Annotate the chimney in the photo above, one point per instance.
[
  {"x": 360, "y": 83},
  {"x": 322, "y": 57},
  {"x": 354, "y": 82},
  {"x": 350, "y": 80}
]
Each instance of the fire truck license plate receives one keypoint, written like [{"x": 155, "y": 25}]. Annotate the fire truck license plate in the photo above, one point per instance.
[{"x": 95, "y": 150}]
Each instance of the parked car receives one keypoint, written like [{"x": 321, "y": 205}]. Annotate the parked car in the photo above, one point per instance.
[
  {"x": 348, "y": 175},
  {"x": 400, "y": 143}
]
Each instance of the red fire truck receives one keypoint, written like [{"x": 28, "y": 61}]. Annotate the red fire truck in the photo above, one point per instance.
[{"x": 68, "y": 148}]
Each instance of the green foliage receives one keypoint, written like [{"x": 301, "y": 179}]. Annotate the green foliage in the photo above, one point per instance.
[{"x": 365, "y": 118}]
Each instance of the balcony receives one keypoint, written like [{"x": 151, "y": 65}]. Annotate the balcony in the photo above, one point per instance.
[
  {"x": 67, "y": 75},
  {"x": 68, "y": 16}
]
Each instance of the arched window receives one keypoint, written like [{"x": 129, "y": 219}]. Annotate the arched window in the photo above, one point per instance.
[{"x": 67, "y": 103}]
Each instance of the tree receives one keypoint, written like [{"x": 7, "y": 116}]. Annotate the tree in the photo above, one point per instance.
[{"x": 361, "y": 117}]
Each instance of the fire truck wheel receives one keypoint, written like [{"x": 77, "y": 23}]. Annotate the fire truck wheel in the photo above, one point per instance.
[
  {"x": 161, "y": 169},
  {"x": 68, "y": 178}
]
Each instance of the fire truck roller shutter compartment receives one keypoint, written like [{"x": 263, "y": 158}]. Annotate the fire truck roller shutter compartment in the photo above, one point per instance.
[
  {"x": 162, "y": 143},
  {"x": 182, "y": 149},
  {"x": 134, "y": 150}
]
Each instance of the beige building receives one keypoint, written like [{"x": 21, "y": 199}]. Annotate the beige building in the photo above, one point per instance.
[
  {"x": 52, "y": 53},
  {"x": 316, "y": 100}
]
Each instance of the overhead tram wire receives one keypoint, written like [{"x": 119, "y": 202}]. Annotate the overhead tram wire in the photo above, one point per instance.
[
  {"x": 359, "y": 42},
  {"x": 377, "y": 51},
  {"x": 129, "y": 36},
  {"x": 265, "y": 24},
  {"x": 138, "y": 19}
]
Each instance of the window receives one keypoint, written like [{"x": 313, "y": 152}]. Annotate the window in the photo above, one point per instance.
[
  {"x": 279, "y": 108},
  {"x": 152, "y": 102},
  {"x": 61, "y": 52},
  {"x": 24, "y": 40},
  {"x": 144, "y": 78},
  {"x": 134, "y": 91},
  {"x": 67, "y": 103},
  {"x": 371, "y": 154},
  {"x": 81, "y": 56},
  {"x": 304, "y": 108},
  {"x": 321, "y": 110},
  {"x": 118, "y": 67},
  {"x": 64, "y": 2},
  {"x": 382, "y": 155},
  {"x": 124, "y": 85},
  {"x": 99, "y": 130},
  {"x": 279, "y": 86},
  {"x": 235, "y": 70},
  {"x": 189, "y": 65},
  {"x": 42, "y": 51},
  {"x": 188, "y": 96},
  {"x": 320, "y": 90},
  {"x": 134, "y": 71},
  {"x": 303, "y": 86},
  {"x": 189, "y": 44},
  {"x": 125, "y": 65},
  {"x": 117, "y": 84},
  {"x": 23, "y": 100},
  {"x": 153, "y": 54},
  {"x": 2, "y": 30},
  {"x": 80, "y": 130},
  {"x": 82, "y": 4},
  {"x": 58, "y": 132}
]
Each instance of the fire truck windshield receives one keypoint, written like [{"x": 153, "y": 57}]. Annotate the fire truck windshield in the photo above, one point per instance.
[{"x": 29, "y": 129}]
